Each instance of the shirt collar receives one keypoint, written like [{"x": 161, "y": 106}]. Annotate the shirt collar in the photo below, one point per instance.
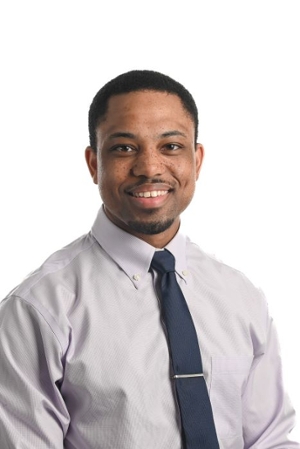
[{"x": 132, "y": 254}]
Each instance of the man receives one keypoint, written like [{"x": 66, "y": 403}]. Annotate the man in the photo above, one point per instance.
[{"x": 87, "y": 358}]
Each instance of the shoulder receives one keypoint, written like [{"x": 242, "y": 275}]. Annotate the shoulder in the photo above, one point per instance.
[
  {"x": 61, "y": 264},
  {"x": 49, "y": 293},
  {"x": 225, "y": 281}
]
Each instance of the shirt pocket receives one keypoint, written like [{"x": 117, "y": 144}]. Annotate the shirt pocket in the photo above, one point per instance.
[{"x": 229, "y": 376}]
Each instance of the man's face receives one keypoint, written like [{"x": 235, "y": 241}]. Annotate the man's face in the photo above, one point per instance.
[{"x": 146, "y": 164}]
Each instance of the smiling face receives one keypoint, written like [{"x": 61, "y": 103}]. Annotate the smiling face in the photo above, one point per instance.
[{"x": 146, "y": 164}]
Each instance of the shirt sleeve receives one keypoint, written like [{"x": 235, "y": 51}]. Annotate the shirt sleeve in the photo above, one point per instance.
[
  {"x": 268, "y": 416},
  {"x": 32, "y": 411}
]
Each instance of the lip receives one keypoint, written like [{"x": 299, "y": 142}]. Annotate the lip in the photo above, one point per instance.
[
  {"x": 149, "y": 187},
  {"x": 150, "y": 193},
  {"x": 160, "y": 190},
  {"x": 149, "y": 202}
]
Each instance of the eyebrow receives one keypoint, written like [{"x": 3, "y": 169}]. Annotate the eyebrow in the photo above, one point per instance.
[
  {"x": 122, "y": 134},
  {"x": 133, "y": 136},
  {"x": 173, "y": 133}
]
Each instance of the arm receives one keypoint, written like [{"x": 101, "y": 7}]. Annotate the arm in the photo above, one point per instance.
[
  {"x": 32, "y": 411},
  {"x": 268, "y": 416}
]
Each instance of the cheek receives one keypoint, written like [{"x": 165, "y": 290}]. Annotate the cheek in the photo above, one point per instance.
[
  {"x": 184, "y": 171},
  {"x": 111, "y": 176},
  {"x": 114, "y": 166}
]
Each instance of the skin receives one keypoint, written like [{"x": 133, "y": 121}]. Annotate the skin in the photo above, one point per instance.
[{"x": 145, "y": 147}]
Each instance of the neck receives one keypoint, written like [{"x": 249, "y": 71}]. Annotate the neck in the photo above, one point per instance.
[{"x": 157, "y": 240}]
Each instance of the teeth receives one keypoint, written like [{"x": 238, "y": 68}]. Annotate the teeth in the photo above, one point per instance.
[{"x": 151, "y": 194}]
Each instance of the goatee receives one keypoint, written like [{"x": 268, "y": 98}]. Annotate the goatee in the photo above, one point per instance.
[{"x": 152, "y": 228}]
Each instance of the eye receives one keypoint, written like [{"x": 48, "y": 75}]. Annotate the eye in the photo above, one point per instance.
[
  {"x": 122, "y": 149},
  {"x": 172, "y": 146}
]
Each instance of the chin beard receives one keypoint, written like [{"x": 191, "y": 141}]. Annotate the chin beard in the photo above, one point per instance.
[{"x": 154, "y": 227}]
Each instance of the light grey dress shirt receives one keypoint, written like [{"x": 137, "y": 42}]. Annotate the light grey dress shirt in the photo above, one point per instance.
[{"x": 84, "y": 362}]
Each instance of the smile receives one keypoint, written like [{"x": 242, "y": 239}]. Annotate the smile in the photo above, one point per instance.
[{"x": 151, "y": 194}]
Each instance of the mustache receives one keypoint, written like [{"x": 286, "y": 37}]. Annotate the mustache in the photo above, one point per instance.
[{"x": 150, "y": 181}]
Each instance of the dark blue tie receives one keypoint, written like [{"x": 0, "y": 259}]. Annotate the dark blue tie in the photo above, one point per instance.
[{"x": 198, "y": 428}]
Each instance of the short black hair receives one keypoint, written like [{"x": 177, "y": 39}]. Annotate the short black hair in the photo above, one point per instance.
[{"x": 133, "y": 81}]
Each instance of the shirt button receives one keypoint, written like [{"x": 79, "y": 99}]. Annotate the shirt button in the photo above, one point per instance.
[
  {"x": 136, "y": 277},
  {"x": 185, "y": 272}
]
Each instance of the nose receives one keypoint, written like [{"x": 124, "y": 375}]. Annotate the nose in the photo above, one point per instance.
[{"x": 148, "y": 163}]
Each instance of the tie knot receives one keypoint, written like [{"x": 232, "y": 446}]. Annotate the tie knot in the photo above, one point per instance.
[{"x": 163, "y": 262}]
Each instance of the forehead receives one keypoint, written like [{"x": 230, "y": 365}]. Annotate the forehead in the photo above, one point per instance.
[{"x": 150, "y": 109}]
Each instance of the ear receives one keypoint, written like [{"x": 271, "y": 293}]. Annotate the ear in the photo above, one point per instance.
[
  {"x": 91, "y": 160},
  {"x": 199, "y": 154}
]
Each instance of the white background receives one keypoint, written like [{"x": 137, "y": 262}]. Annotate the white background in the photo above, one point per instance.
[{"x": 239, "y": 59}]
